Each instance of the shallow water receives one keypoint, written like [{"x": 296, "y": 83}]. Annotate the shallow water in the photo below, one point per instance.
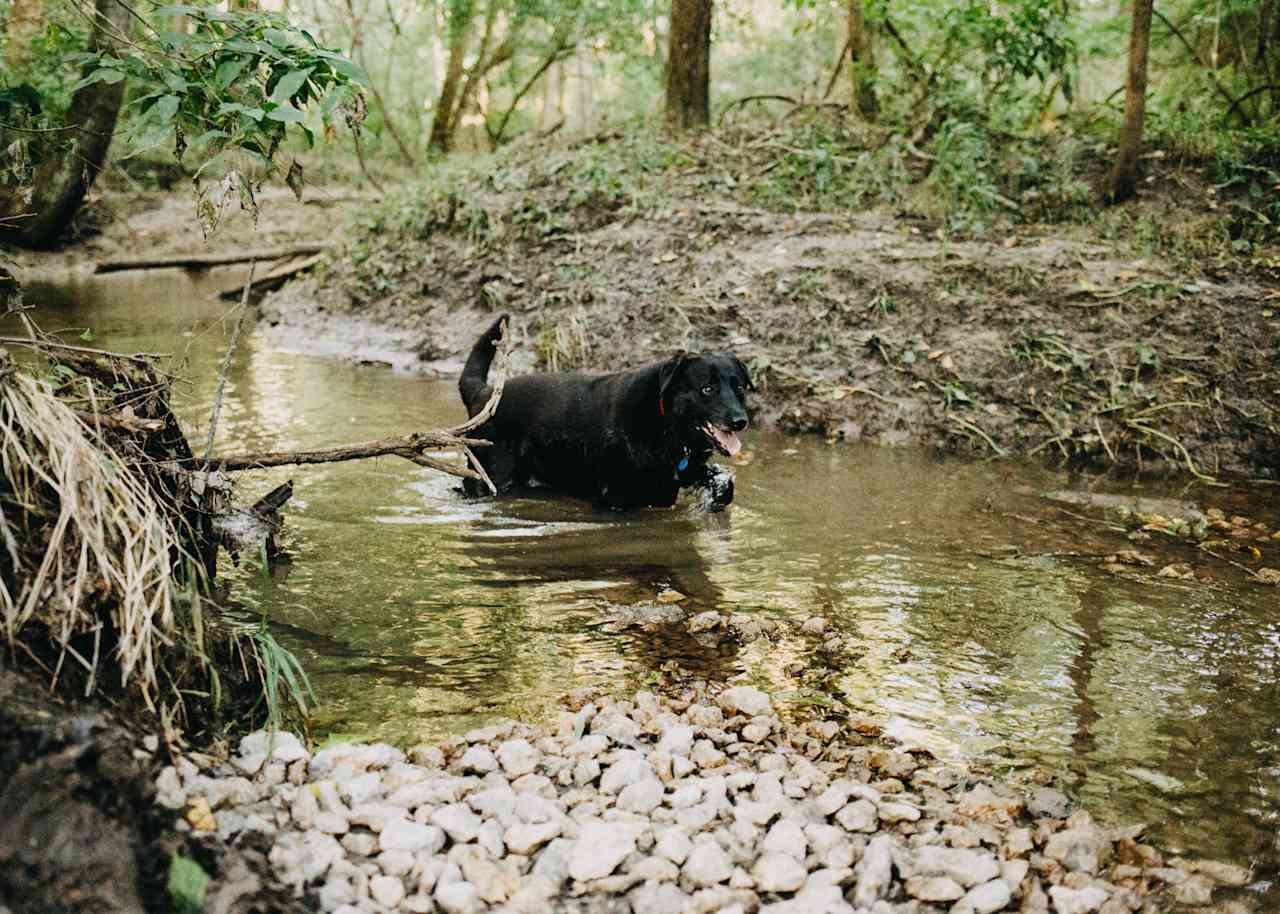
[{"x": 419, "y": 613}]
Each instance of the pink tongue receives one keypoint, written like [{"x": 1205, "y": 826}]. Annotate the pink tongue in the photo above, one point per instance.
[{"x": 727, "y": 440}]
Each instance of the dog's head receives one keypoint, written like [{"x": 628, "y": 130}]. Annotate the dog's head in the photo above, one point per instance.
[{"x": 704, "y": 398}]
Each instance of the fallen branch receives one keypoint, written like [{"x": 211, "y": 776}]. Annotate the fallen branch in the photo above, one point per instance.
[
  {"x": 204, "y": 261},
  {"x": 412, "y": 447},
  {"x": 273, "y": 278}
]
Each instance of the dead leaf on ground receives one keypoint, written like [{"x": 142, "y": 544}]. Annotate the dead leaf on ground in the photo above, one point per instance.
[
  {"x": 200, "y": 816},
  {"x": 1179, "y": 571},
  {"x": 1129, "y": 557},
  {"x": 1268, "y": 576},
  {"x": 671, "y": 596}
]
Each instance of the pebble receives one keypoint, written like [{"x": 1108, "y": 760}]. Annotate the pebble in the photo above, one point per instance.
[{"x": 706, "y": 802}]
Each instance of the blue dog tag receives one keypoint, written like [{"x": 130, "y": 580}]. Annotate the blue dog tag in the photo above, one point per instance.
[{"x": 682, "y": 465}]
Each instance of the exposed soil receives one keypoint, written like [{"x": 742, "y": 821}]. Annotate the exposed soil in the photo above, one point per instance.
[
  {"x": 82, "y": 831},
  {"x": 857, "y": 325}
]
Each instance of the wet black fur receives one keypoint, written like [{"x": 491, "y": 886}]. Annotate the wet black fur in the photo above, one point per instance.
[{"x": 605, "y": 437}]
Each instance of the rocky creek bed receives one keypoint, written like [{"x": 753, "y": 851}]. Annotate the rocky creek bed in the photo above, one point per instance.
[{"x": 704, "y": 801}]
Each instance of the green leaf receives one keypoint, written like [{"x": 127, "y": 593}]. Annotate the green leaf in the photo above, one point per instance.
[
  {"x": 228, "y": 70},
  {"x": 346, "y": 68},
  {"x": 110, "y": 77},
  {"x": 187, "y": 885},
  {"x": 286, "y": 114},
  {"x": 166, "y": 108},
  {"x": 209, "y": 135},
  {"x": 289, "y": 84},
  {"x": 278, "y": 38},
  {"x": 237, "y": 108}
]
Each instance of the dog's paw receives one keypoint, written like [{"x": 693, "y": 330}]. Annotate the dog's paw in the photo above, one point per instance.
[{"x": 716, "y": 490}]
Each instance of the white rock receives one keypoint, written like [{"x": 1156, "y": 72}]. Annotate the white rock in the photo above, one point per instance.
[
  {"x": 934, "y": 888},
  {"x": 707, "y": 863},
  {"x": 494, "y": 882},
  {"x": 531, "y": 808},
  {"x": 706, "y": 755},
  {"x": 674, "y": 844},
  {"x": 478, "y": 759},
  {"x": 277, "y": 745},
  {"x": 331, "y": 823},
  {"x": 404, "y": 836},
  {"x": 786, "y": 837},
  {"x": 395, "y": 863},
  {"x": 600, "y": 847},
  {"x": 387, "y": 891},
  {"x": 459, "y": 898},
  {"x": 1076, "y": 901},
  {"x": 677, "y": 739},
  {"x": 630, "y": 768},
  {"x": 498, "y": 803},
  {"x": 588, "y": 746},
  {"x": 658, "y": 898},
  {"x": 642, "y": 797},
  {"x": 375, "y": 816},
  {"x": 898, "y": 812},
  {"x": 517, "y": 757},
  {"x": 874, "y": 872},
  {"x": 305, "y": 808},
  {"x": 525, "y": 839},
  {"x": 686, "y": 795},
  {"x": 490, "y": 838},
  {"x": 429, "y": 757},
  {"x": 984, "y": 899},
  {"x": 778, "y": 872},
  {"x": 756, "y": 732},
  {"x": 458, "y": 822},
  {"x": 362, "y": 844},
  {"x": 965, "y": 866},
  {"x": 746, "y": 700},
  {"x": 859, "y": 816}
]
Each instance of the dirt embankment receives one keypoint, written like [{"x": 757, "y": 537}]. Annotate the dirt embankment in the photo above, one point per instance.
[
  {"x": 1073, "y": 339},
  {"x": 866, "y": 325}
]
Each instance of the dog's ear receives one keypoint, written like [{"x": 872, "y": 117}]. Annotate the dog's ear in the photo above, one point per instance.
[
  {"x": 742, "y": 370},
  {"x": 668, "y": 370}
]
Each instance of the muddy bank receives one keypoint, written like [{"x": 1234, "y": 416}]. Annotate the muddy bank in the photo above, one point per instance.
[
  {"x": 82, "y": 829},
  {"x": 867, "y": 325}
]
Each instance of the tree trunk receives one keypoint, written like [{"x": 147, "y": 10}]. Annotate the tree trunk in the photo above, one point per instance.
[
  {"x": 442, "y": 124},
  {"x": 689, "y": 65},
  {"x": 59, "y": 186},
  {"x": 862, "y": 63},
  {"x": 25, "y": 20},
  {"x": 1124, "y": 178}
]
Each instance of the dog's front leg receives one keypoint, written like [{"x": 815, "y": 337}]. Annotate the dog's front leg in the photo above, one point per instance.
[{"x": 715, "y": 485}]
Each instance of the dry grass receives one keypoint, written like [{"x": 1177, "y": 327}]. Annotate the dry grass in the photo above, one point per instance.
[{"x": 88, "y": 548}]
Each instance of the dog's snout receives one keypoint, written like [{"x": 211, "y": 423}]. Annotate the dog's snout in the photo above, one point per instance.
[{"x": 738, "y": 423}]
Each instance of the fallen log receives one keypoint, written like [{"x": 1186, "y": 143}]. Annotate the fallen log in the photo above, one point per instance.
[
  {"x": 205, "y": 261},
  {"x": 273, "y": 278}
]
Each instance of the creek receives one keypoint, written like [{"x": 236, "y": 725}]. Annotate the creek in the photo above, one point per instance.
[{"x": 979, "y": 621}]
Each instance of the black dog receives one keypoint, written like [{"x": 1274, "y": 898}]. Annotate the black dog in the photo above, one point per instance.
[{"x": 627, "y": 439}]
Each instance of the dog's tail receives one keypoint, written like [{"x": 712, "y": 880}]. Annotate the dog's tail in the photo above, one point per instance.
[{"x": 474, "y": 383}]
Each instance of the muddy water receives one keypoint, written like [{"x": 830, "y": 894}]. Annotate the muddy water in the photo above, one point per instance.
[{"x": 975, "y": 630}]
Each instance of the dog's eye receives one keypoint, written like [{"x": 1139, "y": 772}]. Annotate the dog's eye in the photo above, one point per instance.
[{"x": 706, "y": 391}]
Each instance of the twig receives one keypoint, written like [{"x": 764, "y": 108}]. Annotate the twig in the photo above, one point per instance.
[
  {"x": 410, "y": 447},
  {"x": 142, "y": 358},
  {"x": 1097, "y": 423},
  {"x": 969, "y": 426},
  {"x": 226, "y": 361}
]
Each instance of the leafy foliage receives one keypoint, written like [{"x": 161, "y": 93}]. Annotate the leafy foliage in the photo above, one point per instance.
[{"x": 235, "y": 81}]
